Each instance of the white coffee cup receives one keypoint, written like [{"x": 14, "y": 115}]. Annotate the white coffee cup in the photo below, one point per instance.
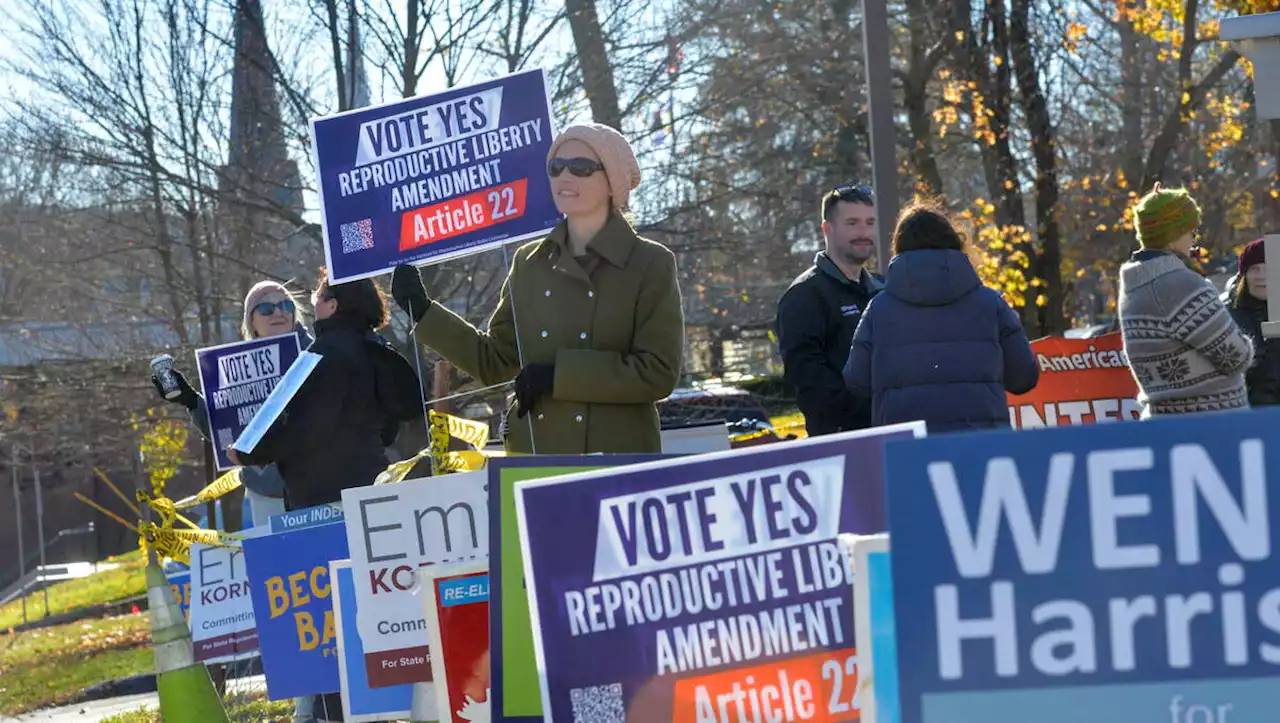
[{"x": 162, "y": 367}]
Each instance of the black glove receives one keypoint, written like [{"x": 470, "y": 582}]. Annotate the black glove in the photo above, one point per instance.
[
  {"x": 186, "y": 397},
  {"x": 408, "y": 291},
  {"x": 533, "y": 383}
]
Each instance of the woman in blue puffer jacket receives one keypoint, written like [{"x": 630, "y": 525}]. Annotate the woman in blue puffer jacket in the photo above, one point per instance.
[{"x": 937, "y": 345}]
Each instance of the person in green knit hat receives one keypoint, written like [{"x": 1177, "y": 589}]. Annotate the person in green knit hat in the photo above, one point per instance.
[{"x": 1184, "y": 349}]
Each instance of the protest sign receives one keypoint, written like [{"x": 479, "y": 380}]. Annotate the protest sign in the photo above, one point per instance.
[
  {"x": 236, "y": 379},
  {"x": 1123, "y": 574},
  {"x": 1082, "y": 381},
  {"x": 277, "y": 401},
  {"x": 222, "y": 620},
  {"x": 393, "y": 530},
  {"x": 516, "y": 697},
  {"x": 360, "y": 703},
  {"x": 180, "y": 585},
  {"x": 697, "y": 585},
  {"x": 289, "y": 580},
  {"x": 306, "y": 517},
  {"x": 874, "y": 627},
  {"x": 435, "y": 177},
  {"x": 456, "y": 605}
]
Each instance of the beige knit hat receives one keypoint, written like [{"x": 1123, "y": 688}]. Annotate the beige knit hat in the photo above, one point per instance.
[
  {"x": 251, "y": 299},
  {"x": 619, "y": 160}
]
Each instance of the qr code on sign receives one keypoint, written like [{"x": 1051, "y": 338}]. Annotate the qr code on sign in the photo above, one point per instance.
[
  {"x": 598, "y": 704},
  {"x": 224, "y": 438},
  {"x": 357, "y": 236}
]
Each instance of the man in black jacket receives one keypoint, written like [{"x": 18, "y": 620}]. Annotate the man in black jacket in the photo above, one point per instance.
[{"x": 820, "y": 310}]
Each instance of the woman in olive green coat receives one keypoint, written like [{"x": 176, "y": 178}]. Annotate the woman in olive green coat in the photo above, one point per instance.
[{"x": 589, "y": 321}]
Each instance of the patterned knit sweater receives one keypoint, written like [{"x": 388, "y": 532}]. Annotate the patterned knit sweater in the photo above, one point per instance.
[{"x": 1185, "y": 350}]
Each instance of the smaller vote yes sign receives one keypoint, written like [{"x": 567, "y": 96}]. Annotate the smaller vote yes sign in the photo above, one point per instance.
[
  {"x": 236, "y": 379},
  {"x": 1122, "y": 574}
]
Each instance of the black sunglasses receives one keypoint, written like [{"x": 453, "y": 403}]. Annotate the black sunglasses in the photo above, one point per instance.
[
  {"x": 854, "y": 192},
  {"x": 580, "y": 167},
  {"x": 267, "y": 308}
]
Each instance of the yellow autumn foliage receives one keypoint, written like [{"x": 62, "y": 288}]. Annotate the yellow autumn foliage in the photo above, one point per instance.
[{"x": 162, "y": 444}]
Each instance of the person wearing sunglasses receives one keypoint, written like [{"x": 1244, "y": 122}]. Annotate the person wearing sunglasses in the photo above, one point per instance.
[
  {"x": 819, "y": 311},
  {"x": 269, "y": 310},
  {"x": 589, "y": 321}
]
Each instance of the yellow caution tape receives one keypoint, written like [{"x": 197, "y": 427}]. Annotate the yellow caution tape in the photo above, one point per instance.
[
  {"x": 176, "y": 544},
  {"x": 223, "y": 485},
  {"x": 472, "y": 432},
  {"x": 464, "y": 461},
  {"x": 397, "y": 471},
  {"x": 169, "y": 513}
]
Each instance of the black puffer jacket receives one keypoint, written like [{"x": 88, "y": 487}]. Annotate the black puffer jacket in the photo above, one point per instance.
[
  {"x": 333, "y": 434},
  {"x": 1263, "y": 378}
]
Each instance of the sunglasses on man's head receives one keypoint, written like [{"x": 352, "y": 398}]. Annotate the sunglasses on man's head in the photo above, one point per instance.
[
  {"x": 267, "y": 308},
  {"x": 580, "y": 167},
  {"x": 854, "y": 192}
]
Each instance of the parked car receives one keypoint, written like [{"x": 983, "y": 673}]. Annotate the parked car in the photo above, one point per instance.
[{"x": 693, "y": 405}]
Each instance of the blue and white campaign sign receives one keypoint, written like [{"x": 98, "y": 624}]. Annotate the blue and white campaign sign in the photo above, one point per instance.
[
  {"x": 236, "y": 379},
  {"x": 306, "y": 517},
  {"x": 1115, "y": 574},
  {"x": 874, "y": 627},
  {"x": 291, "y": 590},
  {"x": 435, "y": 177},
  {"x": 360, "y": 702}
]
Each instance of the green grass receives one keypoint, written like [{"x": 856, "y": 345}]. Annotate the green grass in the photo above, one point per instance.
[
  {"x": 122, "y": 583},
  {"x": 255, "y": 709},
  {"x": 50, "y": 666}
]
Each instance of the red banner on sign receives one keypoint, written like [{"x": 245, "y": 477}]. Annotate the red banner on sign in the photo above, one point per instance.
[{"x": 1082, "y": 381}]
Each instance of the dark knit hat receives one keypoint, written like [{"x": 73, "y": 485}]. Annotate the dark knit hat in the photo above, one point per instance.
[
  {"x": 1164, "y": 216},
  {"x": 1255, "y": 253}
]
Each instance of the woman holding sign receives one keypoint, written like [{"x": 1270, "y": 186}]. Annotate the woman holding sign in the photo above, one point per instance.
[
  {"x": 334, "y": 432},
  {"x": 589, "y": 322},
  {"x": 269, "y": 310}
]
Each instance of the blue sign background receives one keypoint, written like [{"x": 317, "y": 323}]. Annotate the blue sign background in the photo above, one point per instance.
[
  {"x": 1154, "y": 690},
  {"x": 291, "y": 671},
  {"x": 561, "y": 523},
  {"x": 373, "y": 229},
  {"x": 225, "y": 424},
  {"x": 182, "y": 580},
  {"x": 389, "y": 702},
  {"x": 884, "y": 641}
]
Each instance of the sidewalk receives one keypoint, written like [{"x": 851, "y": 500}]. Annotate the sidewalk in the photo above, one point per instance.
[
  {"x": 84, "y": 712},
  {"x": 99, "y": 709}
]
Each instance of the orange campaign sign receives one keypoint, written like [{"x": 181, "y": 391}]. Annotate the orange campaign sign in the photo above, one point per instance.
[{"x": 1082, "y": 381}]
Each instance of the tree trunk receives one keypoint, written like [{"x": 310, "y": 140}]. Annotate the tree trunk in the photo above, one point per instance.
[
  {"x": 1189, "y": 97},
  {"x": 412, "y": 38},
  {"x": 1048, "y": 265},
  {"x": 593, "y": 60},
  {"x": 344, "y": 95},
  {"x": 915, "y": 95}
]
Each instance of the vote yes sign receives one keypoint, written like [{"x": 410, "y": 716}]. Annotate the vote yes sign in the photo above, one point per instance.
[
  {"x": 236, "y": 379},
  {"x": 707, "y": 588}
]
